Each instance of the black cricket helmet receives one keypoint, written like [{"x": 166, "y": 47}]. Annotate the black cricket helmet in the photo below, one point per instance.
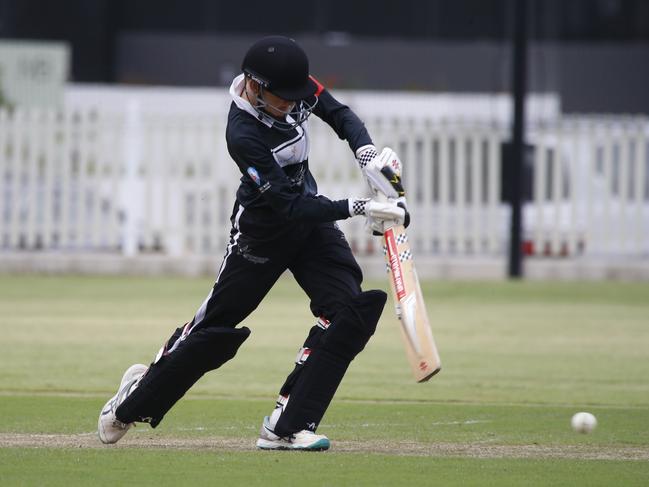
[{"x": 281, "y": 67}]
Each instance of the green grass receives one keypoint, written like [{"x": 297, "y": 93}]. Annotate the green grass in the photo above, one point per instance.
[
  {"x": 425, "y": 422},
  {"x": 518, "y": 360},
  {"x": 159, "y": 467}
]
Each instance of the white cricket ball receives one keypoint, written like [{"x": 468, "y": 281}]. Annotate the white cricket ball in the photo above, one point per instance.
[{"x": 583, "y": 422}]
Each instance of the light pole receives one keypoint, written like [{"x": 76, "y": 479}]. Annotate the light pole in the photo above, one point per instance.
[{"x": 519, "y": 77}]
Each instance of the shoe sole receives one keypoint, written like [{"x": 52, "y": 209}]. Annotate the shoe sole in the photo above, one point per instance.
[
  {"x": 100, "y": 427},
  {"x": 320, "y": 445}
]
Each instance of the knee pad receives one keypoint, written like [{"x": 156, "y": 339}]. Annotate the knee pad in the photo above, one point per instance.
[
  {"x": 320, "y": 375},
  {"x": 173, "y": 373}
]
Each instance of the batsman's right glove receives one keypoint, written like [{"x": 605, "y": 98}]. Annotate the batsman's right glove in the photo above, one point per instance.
[{"x": 379, "y": 216}]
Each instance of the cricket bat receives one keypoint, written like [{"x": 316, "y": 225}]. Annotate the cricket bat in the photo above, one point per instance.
[
  {"x": 406, "y": 291},
  {"x": 410, "y": 307}
]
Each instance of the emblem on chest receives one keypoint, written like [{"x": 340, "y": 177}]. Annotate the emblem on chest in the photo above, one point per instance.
[{"x": 293, "y": 151}]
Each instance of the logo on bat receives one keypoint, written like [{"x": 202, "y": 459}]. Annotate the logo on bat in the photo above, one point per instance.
[{"x": 395, "y": 265}]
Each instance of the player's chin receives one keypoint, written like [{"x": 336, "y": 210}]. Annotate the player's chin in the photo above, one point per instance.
[{"x": 276, "y": 113}]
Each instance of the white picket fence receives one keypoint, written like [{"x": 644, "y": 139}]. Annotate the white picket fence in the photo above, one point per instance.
[{"x": 146, "y": 171}]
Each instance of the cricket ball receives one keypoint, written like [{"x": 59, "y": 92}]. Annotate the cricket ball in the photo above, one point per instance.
[{"x": 583, "y": 422}]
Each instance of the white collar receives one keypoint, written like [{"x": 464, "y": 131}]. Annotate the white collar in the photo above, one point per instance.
[{"x": 237, "y": 87}]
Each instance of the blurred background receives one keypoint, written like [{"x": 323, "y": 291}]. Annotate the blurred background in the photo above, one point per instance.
[{"x": 112, "y": 153}]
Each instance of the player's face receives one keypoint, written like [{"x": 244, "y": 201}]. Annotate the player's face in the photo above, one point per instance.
[{"x": 276, "y": 106}]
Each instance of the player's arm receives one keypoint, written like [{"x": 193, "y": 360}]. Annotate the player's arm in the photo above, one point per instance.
[
  {"x": 348, "y": 126},
  {"x": 344, "y": 122},
  {"x": 261, "y": 171}
]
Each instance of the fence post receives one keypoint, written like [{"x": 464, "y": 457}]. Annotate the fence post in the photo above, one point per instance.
[
  {"x": 131, "y": 195},
  {"x": 5, "y": 124}
]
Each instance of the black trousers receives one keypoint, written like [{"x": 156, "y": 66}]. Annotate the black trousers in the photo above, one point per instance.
[
  {"x": 258, "y": 253},
  {"x": 260, "y": 250}
]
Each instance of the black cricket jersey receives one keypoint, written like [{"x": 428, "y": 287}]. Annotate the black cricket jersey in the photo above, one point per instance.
[{"x": 274, "y": 163}]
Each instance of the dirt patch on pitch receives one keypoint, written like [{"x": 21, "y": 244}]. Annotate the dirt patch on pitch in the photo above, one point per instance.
[
  {"x": 479, "y": 450},
  {"x": 464, "y": 450}
]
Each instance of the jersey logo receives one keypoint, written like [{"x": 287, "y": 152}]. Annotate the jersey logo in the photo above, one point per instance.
[{"x": 254, "y": 175}]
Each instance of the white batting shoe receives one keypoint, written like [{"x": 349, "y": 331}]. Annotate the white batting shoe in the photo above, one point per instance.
[
  {"x": 304, "y": 440},
  {"x": 109, "y": 428}
]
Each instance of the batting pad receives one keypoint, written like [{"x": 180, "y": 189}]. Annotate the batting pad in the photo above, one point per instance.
[
  {"x": 168, "y": 379},
  {"x": 311, "y": 343},
  {"x": 324, "y": 370}
]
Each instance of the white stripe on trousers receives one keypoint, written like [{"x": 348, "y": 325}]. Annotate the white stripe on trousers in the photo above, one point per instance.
[{"x": 200, "y": 314}]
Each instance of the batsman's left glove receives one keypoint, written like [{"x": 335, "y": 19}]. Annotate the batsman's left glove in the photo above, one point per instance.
[
  {"x": 383, "y": 174},
  {"x": 382, "y": 171}
]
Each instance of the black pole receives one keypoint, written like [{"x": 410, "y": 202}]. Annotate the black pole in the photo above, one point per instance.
[{"x": 519, "y": 74}]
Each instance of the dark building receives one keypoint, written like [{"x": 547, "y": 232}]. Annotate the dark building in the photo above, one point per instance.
[{"x": 594, "y": 53}]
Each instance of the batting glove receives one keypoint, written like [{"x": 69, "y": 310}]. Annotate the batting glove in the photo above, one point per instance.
[
  {"x": 382, "y": 171},
  {"x": 379, "y": 216}
]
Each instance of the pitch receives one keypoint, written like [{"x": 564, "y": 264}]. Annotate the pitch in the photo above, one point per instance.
[{"x": 520, "y": 360}]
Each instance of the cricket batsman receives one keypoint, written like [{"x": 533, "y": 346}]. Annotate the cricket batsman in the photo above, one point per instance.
[{"x": 279, "y": 222}]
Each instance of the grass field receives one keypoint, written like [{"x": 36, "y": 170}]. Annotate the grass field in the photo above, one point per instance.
[{"x": 518, "y": 360}]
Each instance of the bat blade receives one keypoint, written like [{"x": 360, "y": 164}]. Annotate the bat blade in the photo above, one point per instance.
[{"x": 410, "y": 307}]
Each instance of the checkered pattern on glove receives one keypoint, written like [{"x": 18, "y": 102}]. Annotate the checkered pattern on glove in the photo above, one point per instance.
[
  {"x": 357, "y": 206},
  {"x": 365, "y": 154}
]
